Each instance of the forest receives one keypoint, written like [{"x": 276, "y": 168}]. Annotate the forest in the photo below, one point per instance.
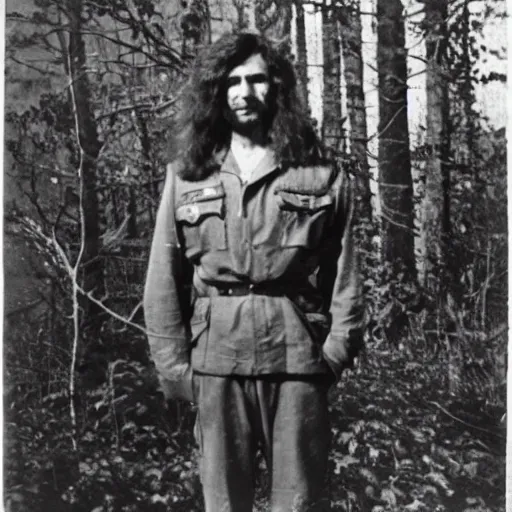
[{"x": 406, "y": 96}]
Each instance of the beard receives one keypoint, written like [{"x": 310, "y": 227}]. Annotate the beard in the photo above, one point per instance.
[
  {"x": 248, "y": 119},
  {"x": 244, "y": 127}
]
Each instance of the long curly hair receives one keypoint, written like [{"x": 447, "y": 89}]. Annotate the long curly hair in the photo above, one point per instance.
[{"x": 201, "y": 128}]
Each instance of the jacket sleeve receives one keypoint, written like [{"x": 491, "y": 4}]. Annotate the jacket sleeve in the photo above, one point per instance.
[
  {"x": 164, "y": 296},
  {"x": 339, "y": 281}
]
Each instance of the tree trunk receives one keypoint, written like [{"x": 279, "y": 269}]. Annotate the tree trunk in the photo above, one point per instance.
[
  {"x": 351, "y": 43},
  {"x": 92, "y": 267},
  {"x": 395, "y": 180},
  {"x": 436, "y": 210},
  {"x": 468, "y": 129},
  {"x": 467, "y": 88},
  {"x": 302, "y": 56},
  {"x": 147, "y": 170},
  {"x": 332, "y": 126}
]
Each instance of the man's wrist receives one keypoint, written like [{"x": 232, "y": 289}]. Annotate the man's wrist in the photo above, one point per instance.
[
  {"x": 335, "y": 368},
  {"x": 178, "y": 385},
  {"x": 336, "y": 355}
]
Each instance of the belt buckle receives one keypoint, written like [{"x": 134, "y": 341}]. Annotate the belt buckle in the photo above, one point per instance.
[{"x": 241, "y": 289}]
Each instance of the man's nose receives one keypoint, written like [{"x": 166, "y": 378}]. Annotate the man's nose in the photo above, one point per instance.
[{"x": 246, "y": 88}]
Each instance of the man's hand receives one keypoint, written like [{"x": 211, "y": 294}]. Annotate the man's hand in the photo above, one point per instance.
[{"x": 180, "y": 389}]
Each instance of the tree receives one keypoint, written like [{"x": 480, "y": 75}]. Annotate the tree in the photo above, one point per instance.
[
  {"x": 351, "y": 44},
  {"x": 332, "y": 126},
  {"x": 477, "y": 244},
  {"x": 395, "y": 180},
  {"x": 86, "y": 156},
  {"x": 302, "y": 57},
  {"x": 89, "y": 148},
  {"x": 436, "y": 207}
]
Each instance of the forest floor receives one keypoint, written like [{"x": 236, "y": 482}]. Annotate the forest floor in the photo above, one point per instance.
[{"x": 403, "y": 441}]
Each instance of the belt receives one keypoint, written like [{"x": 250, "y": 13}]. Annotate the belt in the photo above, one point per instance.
[{"x": 241, "y": 289}]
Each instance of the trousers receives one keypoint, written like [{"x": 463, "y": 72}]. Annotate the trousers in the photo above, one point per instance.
[{"x": 287, "y": 418}]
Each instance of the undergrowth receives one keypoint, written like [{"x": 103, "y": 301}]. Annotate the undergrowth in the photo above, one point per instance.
[{"x": 404, "y": 439}]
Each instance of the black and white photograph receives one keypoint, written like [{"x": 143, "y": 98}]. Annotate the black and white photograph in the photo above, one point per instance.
[{"x": 255, "y": 256}]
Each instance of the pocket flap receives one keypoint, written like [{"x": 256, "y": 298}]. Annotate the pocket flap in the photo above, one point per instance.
[
  {"x": 305, "y": 202},
  {"x": 203, "y": 194},
  {"x": 193, "y": 213}
]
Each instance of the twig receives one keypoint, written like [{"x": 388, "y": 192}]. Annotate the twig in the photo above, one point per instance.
[
  {"x": 174, "y": 61},
  {"x": 117, "y": 316},
  {"x": 464, "y": 422},
  {"x": 73, "y": 270},
  {"x": 32, "y": 66},
  {"x": 502, "y": 329},
  {"x": 121, "y": 110},
  {"x": 72, "y": 274},
  {"x": 381, "y": 133}
]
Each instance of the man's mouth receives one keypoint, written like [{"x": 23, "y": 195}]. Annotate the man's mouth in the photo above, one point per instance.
[{"x": 246, "y": 112}]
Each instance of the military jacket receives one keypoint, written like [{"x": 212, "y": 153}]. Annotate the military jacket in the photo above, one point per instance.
[{"x": 254, "y": 278}]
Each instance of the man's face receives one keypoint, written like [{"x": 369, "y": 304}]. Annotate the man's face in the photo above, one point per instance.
[{"x": 247, "y": 91}]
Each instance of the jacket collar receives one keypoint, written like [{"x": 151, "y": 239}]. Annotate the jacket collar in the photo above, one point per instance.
[{"x": 267, "y": 165}]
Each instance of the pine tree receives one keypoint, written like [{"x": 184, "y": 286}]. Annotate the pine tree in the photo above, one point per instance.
[
  {"x": 351, "y": 43},
  {"x": 395, "y": 180}
]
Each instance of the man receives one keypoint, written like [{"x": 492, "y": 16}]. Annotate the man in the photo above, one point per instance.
[{"x": 252, "y": 300}]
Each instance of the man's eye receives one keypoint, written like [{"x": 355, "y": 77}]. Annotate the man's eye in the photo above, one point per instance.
[
  {"x": 258, "y": 79},
  {"x": 233, "y": 80}
]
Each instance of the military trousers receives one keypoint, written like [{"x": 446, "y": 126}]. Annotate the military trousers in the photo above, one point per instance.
[{"x": 284, "y": 416}]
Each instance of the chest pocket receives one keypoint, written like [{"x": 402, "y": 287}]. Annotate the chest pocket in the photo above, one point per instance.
[
  {"x": 303, "y": 218},
  {"x": 200, "y": 215}
]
